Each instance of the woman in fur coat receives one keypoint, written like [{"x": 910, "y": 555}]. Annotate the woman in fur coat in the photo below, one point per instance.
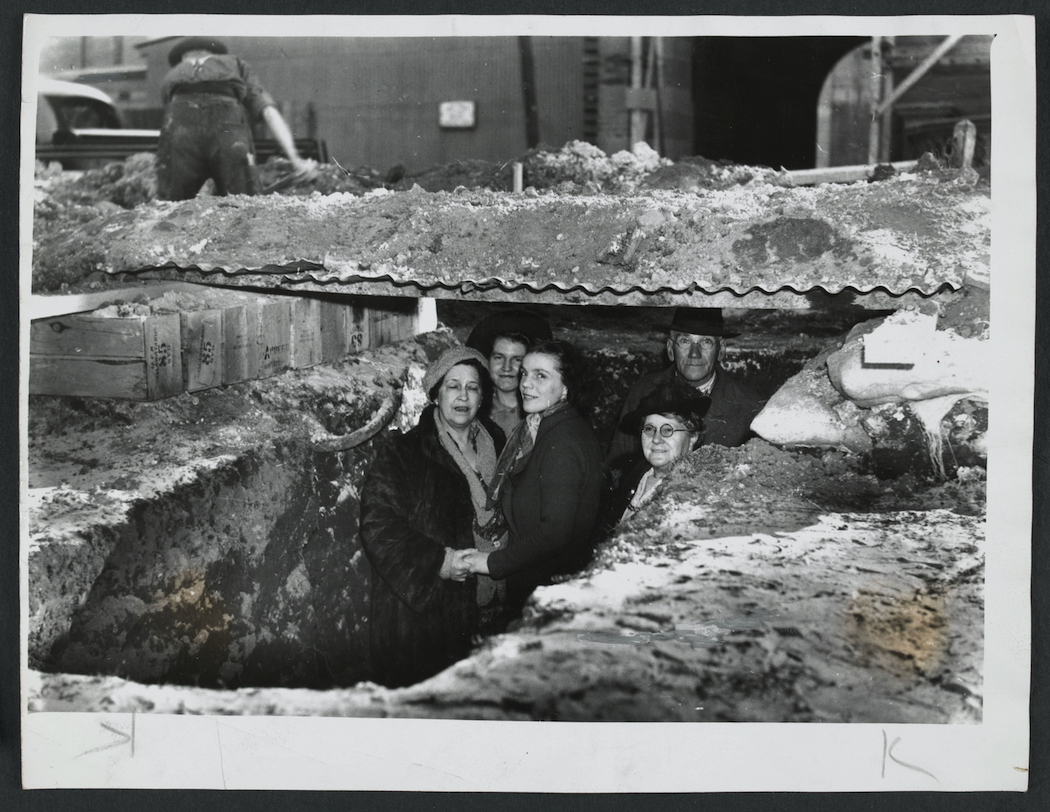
[{"x": 423, "y": 499}]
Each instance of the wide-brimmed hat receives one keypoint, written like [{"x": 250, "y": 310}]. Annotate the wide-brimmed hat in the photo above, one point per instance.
[
  {"x": 448, "y": 359},
  {"x": 701, "y": 321},
  {"x": 689, "y": 408},
  {"x": 534, "y": 328},
  {"x": 187, "y": 44}
]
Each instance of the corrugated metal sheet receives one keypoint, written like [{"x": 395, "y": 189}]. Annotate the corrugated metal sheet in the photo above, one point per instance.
[{"x": 906, "y": 235}]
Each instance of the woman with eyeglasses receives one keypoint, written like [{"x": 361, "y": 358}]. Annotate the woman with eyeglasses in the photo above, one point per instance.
[{"x": 670, "y": 426}]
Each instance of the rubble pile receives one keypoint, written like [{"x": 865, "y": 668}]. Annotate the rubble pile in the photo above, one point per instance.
[
  {"x": 908, "y": 390},
  {"x": 580, "y": 163}
]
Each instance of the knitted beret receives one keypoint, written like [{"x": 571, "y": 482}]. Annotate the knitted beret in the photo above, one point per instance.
[{"x": 448, "y": 359}]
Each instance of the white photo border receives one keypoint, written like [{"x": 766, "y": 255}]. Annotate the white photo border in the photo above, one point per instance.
[{"x": 385, "y": 754}]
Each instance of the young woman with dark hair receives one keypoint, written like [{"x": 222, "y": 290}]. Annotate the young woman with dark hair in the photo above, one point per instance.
[{"x": 548, "y": 478}]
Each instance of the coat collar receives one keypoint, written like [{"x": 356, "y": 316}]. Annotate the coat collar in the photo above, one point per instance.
[
  {"x": 427, "y": 431},
  {"x": 546, "y": 424}
]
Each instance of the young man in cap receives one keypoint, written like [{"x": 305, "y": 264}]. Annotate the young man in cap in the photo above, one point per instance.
[
  {"x": 210, "y": 97},
  {"x": 503, "y": 339},
  {"x": 696, "y": 348}
]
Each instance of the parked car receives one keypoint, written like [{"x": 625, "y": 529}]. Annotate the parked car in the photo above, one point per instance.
[{"x": 80, "y": 127}]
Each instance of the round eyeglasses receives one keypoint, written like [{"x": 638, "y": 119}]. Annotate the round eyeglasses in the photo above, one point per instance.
[{"x": 666, "y": 430}]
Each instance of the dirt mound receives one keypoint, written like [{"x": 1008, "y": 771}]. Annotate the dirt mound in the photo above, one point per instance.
[
  {"x": 126, "y": 184},
  {"x": 576, "y": 166},
  {"x": 68, "y": 201}
]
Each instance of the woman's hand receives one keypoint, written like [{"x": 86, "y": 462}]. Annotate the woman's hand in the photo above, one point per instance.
[
  {"x": 465, "y": 562},
  {"x": 476, "y": 561},
  {"x": 460, "y": 570}
]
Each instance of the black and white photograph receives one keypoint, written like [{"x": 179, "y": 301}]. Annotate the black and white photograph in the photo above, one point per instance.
[{"x": 442, "y": 403}]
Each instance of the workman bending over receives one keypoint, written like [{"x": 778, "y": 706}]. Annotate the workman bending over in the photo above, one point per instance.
[{"x": 210, "y": 98}]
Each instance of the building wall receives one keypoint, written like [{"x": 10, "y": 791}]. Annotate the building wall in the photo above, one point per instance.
[
  {"x": 375, "y": 100},
  {"x": 675, "y": 98},
  {"x": 60, "y": 54},
  {"x": 957, "y": 87}
]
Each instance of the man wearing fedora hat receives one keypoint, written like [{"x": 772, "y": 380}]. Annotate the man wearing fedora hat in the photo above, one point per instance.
[
  {"x": 210, "y": 98},
  {"x": 696, "y": 348}
]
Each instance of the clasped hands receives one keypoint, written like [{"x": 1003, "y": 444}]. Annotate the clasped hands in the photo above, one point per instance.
[{"x": 465, "y": 562}]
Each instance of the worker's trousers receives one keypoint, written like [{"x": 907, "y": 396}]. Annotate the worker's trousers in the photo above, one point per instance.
[{"x": 205, "y": 135}]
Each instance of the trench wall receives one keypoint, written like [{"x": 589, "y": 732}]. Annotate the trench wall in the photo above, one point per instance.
[
  {"x": 200, "y": 539},
  {"x": 250, "y": 573}
]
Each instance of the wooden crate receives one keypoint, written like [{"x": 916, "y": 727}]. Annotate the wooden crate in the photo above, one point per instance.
[
  {"x": 81, "y": 354},
  {"x": 225, "y": 336}
]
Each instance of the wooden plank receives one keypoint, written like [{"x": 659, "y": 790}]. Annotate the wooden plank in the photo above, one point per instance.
[
  {"x": 274, "y": 348},
  {"x": 409, "y": 325},
  {"x": 163, "y": 355},
  {"x": 391, "y": 320},
  {"x": 380, "y": 328},
  {"x": 306, "y": 332},
  {"x": 88, "y": 377},
  {"x": 358, "y": 329},
  {"x": 87, "y": 335},
  {"x": 241, "y": 341},
  {"x": 333, "y": 330},
  {"x": 203, "y": 347},
  {"x": 841, "y": 174},
  {"x": 42, "y": 307}
]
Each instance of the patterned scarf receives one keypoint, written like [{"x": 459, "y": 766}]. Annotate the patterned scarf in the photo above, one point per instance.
[
  {"x": 490, "y": 528},
  {"x": 518, "y": 448}
]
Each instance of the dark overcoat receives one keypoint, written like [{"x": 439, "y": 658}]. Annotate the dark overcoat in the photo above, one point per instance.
[
  {"x": 550, "y": 502},
  {"x": 621, "y": 483},
  {"x": 415, "y": 502}
]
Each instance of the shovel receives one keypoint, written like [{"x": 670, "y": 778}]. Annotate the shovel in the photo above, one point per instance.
[{"x": 307, "y": 173}]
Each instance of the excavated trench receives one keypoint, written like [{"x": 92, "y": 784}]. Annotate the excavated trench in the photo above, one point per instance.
[
  {"x": 190, "y": 554},
  {"x": 201, "y": 540},
  {"x": 252, "y": 573}
]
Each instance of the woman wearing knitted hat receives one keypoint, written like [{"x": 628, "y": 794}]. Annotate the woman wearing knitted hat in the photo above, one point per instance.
[
  {"x": 423, "y": 499},
  {"x": 210, "y": 99}
]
